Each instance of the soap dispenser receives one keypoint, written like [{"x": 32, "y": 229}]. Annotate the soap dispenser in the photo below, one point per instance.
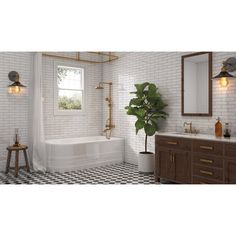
[{"x": 218, "y": 128}]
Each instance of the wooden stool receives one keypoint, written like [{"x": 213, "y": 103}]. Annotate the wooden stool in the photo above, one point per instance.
[{"x": 17, "y": 149}]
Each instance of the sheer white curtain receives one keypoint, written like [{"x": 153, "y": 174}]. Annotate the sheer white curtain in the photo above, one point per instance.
[{"x": 39, "y": 154}]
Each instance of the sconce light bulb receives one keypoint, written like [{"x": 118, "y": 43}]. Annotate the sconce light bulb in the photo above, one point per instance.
[
  {"x": 224, "y": 81},
  {"x": 17, "y": 89},
  {"x": 14, "y": 89}
]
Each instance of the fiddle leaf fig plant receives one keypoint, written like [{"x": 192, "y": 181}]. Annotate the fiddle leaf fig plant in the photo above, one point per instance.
[{"x": 148, "y": 107}]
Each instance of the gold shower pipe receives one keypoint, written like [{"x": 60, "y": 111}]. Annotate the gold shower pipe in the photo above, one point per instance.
[
  {"x": 109, "y": 100},
  {"x": 109, "y": 125},
  {"x": 111, "y": 57}
]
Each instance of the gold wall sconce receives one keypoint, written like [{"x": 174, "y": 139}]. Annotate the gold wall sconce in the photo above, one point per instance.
[
  {"x": 16, "y": 87},
  {"x": 227, "y": 66}
]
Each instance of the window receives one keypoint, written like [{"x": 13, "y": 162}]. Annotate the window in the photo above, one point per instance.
[{"x": 69, "y": 89}]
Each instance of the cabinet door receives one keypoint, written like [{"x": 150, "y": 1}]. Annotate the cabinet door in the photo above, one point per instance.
[
  {"x": 166, "y": 168},
  {"x": 230, "y": 172},
  {"x": 182, "y": 163}
]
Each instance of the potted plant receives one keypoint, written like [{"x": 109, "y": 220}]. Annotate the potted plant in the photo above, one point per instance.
[{"x": 148, "y": 107}]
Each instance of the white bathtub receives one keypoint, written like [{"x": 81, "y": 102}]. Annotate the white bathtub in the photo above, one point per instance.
[{"x": 81, "y": 153}]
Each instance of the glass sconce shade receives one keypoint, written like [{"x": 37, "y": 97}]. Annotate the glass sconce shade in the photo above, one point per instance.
[
  {"x": 223, "y": 76},
  {"x": 16, "y": 87}
]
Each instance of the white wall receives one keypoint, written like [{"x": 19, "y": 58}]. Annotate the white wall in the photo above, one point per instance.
[
  {"x": 163, "y": 69},
  {"x": 14, "y": 109}
]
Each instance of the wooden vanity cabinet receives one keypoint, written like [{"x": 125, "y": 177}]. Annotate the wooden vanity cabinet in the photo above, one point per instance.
[
  {"x": 182, "y": 162},
  {"x": 230, "y": 172},
  {"x": 185, "y": 160},
  {"x": 172, "y": 161},
  {"x": 230, "y": 163},
  {"x": 167, "y": 169}
]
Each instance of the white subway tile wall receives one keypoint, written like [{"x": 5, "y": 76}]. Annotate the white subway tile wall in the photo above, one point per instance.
[
  {"x": 14, "y": 108},
  {"x": 163, "y": 69}
]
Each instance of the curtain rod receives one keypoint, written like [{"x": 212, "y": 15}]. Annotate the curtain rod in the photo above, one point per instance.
[{"x": 82, "y": 60}]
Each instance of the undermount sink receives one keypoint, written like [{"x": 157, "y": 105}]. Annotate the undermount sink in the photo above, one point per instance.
[{"x": 182, "y": 133}]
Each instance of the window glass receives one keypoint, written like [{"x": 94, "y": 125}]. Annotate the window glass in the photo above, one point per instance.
[{"x": 70, "y": 91}]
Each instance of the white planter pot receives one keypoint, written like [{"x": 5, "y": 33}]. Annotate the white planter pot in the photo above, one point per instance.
[{"x": 146, "y": 162}]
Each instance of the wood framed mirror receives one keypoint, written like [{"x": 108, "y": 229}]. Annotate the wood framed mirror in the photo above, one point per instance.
[{"x": 196, "y": 86}]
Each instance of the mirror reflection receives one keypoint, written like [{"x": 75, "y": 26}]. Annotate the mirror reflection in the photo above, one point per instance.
[{"x": 196, "y": 84}]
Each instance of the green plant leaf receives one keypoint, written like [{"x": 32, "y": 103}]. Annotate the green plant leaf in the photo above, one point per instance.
[
  {"x": 152, "y": 90},
  {"x": 141, "y": 87},
  {"x": 135, "y": 111},
  {"x": 136, "y": 101},
  {"x": 154, "y": 98},
  {"x": 154, "y": 122},
  {"x": 160, "y": 114},
  {"x": 139, "y": 124},
  {"x": 131, "y": 111},
  {"x": 149, "y": 129},
  {"x": 141, "y": 112}
]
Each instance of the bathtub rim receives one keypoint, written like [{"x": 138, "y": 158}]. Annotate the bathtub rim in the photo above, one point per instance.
[{"x": 57, "y": 141}]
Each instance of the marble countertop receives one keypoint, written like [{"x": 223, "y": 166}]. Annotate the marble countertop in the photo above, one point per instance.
[{"x": 208, "y": 137}]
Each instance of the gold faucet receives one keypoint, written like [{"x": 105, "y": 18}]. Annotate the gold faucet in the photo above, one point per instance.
[
  {"x": 109, "y": 126},
  {"x": 190, "y": 130},
  {"x": 108, "y": 133},
  {"x": 108, "y": 129}
]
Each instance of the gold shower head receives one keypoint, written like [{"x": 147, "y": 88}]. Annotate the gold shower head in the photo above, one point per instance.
[{"x": 99, "y": 87}]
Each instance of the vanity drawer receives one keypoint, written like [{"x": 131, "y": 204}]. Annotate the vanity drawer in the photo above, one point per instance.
[
  {"x": 206, "y": 160},
  {"x": 202, "y": 180},
  {"x": 208, "y": 172},
  {"x": 230, "y": 150},
  {"x": 208, "y": 147},
  {"x": 177, "y": 143}
]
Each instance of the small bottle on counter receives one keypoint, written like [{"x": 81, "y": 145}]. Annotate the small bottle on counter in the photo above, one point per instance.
[
  {"x": 227, "y": 131},
  {"x": 218, "y": 128}
]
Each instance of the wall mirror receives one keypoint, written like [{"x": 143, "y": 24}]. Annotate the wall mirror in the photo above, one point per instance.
[{"x": 197, "y": 84}]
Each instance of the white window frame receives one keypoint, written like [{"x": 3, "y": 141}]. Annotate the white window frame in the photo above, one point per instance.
[{"x": 57, "y": 111}]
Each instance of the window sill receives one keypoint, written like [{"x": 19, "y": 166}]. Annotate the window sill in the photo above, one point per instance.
[{"x": 69, "y": 113}]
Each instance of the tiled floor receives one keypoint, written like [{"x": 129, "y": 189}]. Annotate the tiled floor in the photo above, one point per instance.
[{"x": 113, "y": 174}]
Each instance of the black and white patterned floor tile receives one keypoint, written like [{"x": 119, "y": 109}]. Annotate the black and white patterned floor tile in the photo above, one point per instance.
[{"x": 123, "y": 173}]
